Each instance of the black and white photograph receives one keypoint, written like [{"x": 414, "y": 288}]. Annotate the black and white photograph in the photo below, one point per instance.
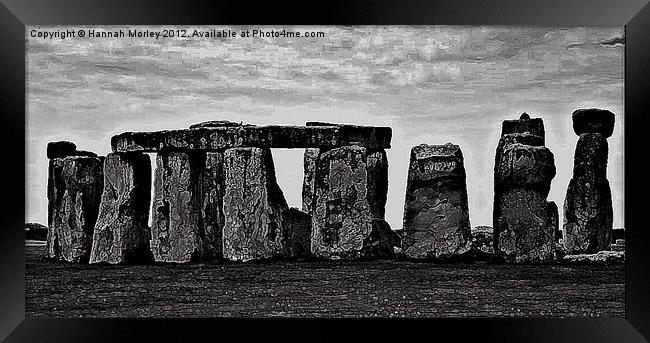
[{"x": 411, "y": 171}]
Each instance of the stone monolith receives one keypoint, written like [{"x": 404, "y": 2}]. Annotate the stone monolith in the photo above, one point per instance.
[
  {"x": 436, "y": 213},
  {"x": 121, "y": 234}
]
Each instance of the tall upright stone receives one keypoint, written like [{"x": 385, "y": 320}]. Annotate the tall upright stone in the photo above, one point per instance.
[
  {"x": 121, "y": 233},
  {"x": 588, "y": 212},
  {"x": 212, "y": 211},
  {"x": 177, "y": 232},
  {"x": 436, "y": 212},
  {"x": 254, "y": 206},
  {"x": 524, "y": 221},
  {"x": 75, "y": 194},
  {"x": 309, "y": 177},
  {"x": 296, "y": 227},
  {"x": 348, "y": 188}
]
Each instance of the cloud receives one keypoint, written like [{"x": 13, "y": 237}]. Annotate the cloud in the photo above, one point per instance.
[{"x": 614, "y": 41}]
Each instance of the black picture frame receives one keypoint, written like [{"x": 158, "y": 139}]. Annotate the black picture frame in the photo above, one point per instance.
[{"x": 16, "y": 14}]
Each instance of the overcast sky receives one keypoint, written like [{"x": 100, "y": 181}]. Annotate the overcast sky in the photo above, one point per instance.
[{"x": 430, "y": 84}]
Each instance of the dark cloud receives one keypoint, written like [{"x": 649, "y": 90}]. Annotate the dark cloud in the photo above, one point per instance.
[{"x": 613, "y": 41}]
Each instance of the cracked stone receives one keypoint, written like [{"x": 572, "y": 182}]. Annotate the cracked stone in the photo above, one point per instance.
[
  {"x": 525, "y": 223},
  {"x": 212, "y": 214},
  {"x": 74, "y": 189},
  {"x": 213, "y": 137},
  {"x": 176, "y": 232},
  {"x": 121, "y": 234},
  {"x": 255, "y": 204},
  {"x": 436, "y": 212},
  {"x": 588, "y": 212},
  {"x": 342, "y": 217}
]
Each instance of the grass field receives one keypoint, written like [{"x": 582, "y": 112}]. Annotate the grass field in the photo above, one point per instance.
[{"x": 320, "y": 289}]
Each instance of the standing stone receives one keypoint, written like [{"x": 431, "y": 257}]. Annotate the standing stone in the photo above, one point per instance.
[
  {"x": 253, "y": 204},
  {"x": 377, "y": 168},
  {"x": 347, "y": 197},
  {"x": 588, "y": 212},
  {"x": 383, "y": 240},
  {"x": 77, "y": 183},
  {"x": 212, "y": 217},
  {"x": 436, "y": 213},
  {"x": 525, "y": 223},
  {"x": 55, "y": 192},
  {"x": 176, "y": 232},
  {"x": 121, "y": 233},
  {"x": 60, "y": 149},
  {"x": 308, "y": 190},
  {"x": 296, "y": 226}
]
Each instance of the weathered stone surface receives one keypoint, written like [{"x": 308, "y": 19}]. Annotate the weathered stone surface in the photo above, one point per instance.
[
  {"x": 382, "y": 241},
  {"x": 341, "y": 221},
  {"x": 588, "y": 216},
  {"x": 525, "y": 224},
  {"x": 524, "y": 124},
  {"x": 588, "y": 212},
  {"x": 60, "y": 149},
  {"x": 593, "y": 120},
  {"x": 377, "y": 169},
  {"x": 525, "y": 230},
  {"x": 296, "y": 227},
  {"x": 602, "y": 257},
  {"x": 75, "y": 194},
  {"x": 55, "y": 192},
  {"x": 121, "y": 233},
  {"x": 216, "y": 123},
  {"x": 309, "y": 174},
  {"x": 176, "y": 232},
  {"x": 482, "y": 247},
  {"x": 212, "y": 216},
  {"x": 254, "y": 205},
  {"x": 554, "y": 216},
  {"x": 216, "y": 138},
  {"x": 526, "y": 166},
  {"x": 436, "y": 214}
]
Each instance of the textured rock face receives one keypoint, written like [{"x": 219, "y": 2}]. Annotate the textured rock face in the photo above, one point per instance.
[
  {"x": 176, "y": 232},
  {"x": 213, "y": 137},
  {"x": 525, "y": 224},
  {"x": 382, "y": 241},
  {"x": 60, "y": 149},
  {"x": 216, "y": 123},
  {"x": 588, "y": 209},
  {"x": 524, "y": 124},
  {"x": 55, "y": 192},
  {"x": 212, "y": 216},
  {"x": 76, "y": 191},
  {"x": 436, "y": 214},
  {"x": 308, "y": 190},
  {"x": 377, "y": 169},
  {"x": 525, "y": 165},
  {"x": 602, "y": 257},
  {"x": 254, "y": 203},
  {"x": 121, "y": 234},
  {"x": 296, "y": 227},
  {"x": 593, "y": 120},
  {"x": 341, "y": 220},
  {"x": 482, "y": 243}
]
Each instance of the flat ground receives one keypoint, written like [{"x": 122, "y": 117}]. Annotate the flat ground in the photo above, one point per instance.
[{"x": 320, "y": 289}]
